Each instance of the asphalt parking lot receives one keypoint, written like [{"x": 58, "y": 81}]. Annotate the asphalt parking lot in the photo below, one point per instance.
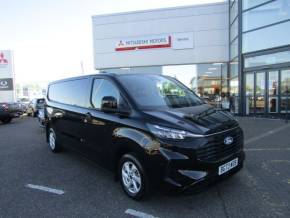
[{"x": 81, "y": 189}]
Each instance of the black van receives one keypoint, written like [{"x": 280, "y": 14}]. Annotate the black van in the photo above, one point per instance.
[{"x": 148, "y": 129}]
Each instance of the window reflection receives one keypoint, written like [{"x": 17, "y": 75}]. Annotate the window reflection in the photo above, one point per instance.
[
  {"x": 269, "y": 37},
  {"x": 270, "y": 13},
  {"x": 209, "y": 81},
  {"x": 250, "y": 106},
  {"x": 252, "y": 3},
  {"x": 234, "y": 95},
  {"x": 273, "y": 83},
  {"x": 274, "y": 58},
  {"x": 285, "y": 82}
]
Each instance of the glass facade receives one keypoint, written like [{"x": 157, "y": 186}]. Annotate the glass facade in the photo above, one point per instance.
[
  {"x": 252, "y": 3},
  {"x": 264, "y": 28},
  {"x": 268, "y": 59},
  {"x": 264, "y": 38},
  {"x": 234, "y": 56},
  {"x": 267, "y": 14}
]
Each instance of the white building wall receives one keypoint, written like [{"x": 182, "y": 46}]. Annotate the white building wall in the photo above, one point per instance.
[{"x": 208, "y": 24}]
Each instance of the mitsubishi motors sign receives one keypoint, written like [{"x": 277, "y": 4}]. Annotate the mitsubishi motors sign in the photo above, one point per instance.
[
  {"x": 6, "y": 76},
  {"x": 6, "y": 70},
  {"x": 147, "y": 42},
  {"x": 3, "y": 60},
  {"x": 173, "y": 41}
]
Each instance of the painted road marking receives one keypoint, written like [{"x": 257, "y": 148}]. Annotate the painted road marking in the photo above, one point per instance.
[
  {"x": 267, "y": 149},
  {"x": 136, "y": 213},
  {"x": 46, "y": 189},
  {"x": 271, "y": 132}
]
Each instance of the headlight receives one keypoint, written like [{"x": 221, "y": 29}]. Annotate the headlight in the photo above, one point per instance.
[{"x": 168, "y": 133}]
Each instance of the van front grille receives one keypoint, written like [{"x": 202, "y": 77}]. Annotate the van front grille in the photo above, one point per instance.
[{"x": 216, "y": 149}]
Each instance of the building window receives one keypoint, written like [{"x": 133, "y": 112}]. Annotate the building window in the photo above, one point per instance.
[
  {"x": 269, "y": 59},
  {"x": 234, "y": 49},
  {"x": 234, "y": 68},
  {"x": 252, "y": 3},
  {"x": 234, "y": 11},
  {"x": 285, "y": 91},
  {"x": 234, "y": 95},
  {"x": 234, "y": 29},
  {"x": 270, "y": 13},
  {"x": 285, "y": 82},
  {"x": 268, "y": 37}
]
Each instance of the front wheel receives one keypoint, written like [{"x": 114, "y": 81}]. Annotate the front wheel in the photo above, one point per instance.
[
  {"x": 133, "y": 177},
  {"x": 53, "y": 142}
]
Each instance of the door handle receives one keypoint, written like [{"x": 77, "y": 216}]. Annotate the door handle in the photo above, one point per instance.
[{"x": 88, "y": 118}]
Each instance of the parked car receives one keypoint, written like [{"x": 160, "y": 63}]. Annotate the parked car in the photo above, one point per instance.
[
  {"x": 8, "y": 111},
  {"x": 34, "y": 106},
  {"x": 41, "y": 118},
  {"x": 23, "y": 104},
  {"x": 147, "y": 129}
]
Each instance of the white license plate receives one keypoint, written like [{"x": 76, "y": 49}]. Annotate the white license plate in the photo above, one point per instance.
[{"x": 228, "y": 166}]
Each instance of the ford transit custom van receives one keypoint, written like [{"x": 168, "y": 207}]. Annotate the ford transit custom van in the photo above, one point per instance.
[{"x": 148, "y": 129}]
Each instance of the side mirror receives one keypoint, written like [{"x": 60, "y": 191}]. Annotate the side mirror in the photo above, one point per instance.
[{"x": 109, "y": 104}]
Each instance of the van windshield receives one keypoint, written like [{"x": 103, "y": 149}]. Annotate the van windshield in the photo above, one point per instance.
[{"x": 157, "y": 92}]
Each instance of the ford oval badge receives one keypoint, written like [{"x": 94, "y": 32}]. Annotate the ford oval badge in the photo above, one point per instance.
[{"x": 228, "y": 140}]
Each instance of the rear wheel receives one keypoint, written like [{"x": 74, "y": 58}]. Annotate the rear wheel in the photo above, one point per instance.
[
  {"x": 6, "y": 120},
  {"x": 53, "y": 142},
  {"x": 133, "y": 177}
]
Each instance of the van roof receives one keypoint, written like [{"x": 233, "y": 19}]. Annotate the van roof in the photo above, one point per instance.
[{"x": 99, "y": 74}]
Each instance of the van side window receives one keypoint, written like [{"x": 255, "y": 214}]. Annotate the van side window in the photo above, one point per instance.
[
  {"x": 73, "y": 92},
  {"x": 102, "y": 88}
]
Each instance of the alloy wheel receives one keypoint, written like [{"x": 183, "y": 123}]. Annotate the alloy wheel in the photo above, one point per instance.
[
  {"x": 52, "y": 139},
  {"x": 131, "y": 177}
]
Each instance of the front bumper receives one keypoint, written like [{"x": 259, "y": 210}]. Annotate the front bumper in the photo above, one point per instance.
[
  {"x": 190, "y": 175},
  {"x": 193, "y": 161}
]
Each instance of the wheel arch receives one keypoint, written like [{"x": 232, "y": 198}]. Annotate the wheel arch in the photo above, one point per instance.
[{"x": 129, "y": 140}]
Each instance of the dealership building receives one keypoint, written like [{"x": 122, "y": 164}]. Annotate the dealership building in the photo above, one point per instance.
[{"x": 238, "y": 49}]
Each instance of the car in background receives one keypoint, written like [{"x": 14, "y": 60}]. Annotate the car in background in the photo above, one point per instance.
[
  {"x": 23, "y": 104},
  {"x": 8, "y": 111},
  {"x": 21, "y": 108},
  {"x": 34, "y": 106},
  {"x": 41, "y": 117}
]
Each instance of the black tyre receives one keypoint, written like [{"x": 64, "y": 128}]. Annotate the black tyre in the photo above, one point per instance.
[
  {"x": 53, "y": 142},
  {"x": 133, "y": 177},
  {"x": 34, "y": 114},
  {"x": 6, "y": 120}
]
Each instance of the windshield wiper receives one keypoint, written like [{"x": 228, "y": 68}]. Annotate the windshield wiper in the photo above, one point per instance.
[{"x": 207, "y": 112}]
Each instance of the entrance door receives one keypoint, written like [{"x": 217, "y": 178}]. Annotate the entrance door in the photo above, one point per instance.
[
  {"x": 267, "y": 92},
  {"x": 285, "y": 91},
  {"x": 273, "y": 92},
  {"x": 250, "y": 85},
  {"x": 260, "y": 88},
  {"x": 255, "y": 93}
]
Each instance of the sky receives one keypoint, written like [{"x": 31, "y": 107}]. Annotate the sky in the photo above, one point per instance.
[{"x": 51, "y": 38}]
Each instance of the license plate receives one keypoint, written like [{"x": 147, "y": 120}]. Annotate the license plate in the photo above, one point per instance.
[{"x": 228, "y": 166}]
